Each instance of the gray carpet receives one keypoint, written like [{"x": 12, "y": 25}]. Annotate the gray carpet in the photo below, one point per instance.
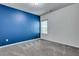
[{"x": 39, "y": 48}]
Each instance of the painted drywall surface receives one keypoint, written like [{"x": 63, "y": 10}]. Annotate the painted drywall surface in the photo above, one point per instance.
[
  {"x": 63, "y": 26},
  {"x": 17, "y": 26}
]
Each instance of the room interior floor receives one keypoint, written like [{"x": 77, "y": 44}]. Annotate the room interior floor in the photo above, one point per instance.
[{"x": 39, "y": 48}]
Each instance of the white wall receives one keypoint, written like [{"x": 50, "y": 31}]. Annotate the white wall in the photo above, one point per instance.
[{"x": 63, "y": 25}]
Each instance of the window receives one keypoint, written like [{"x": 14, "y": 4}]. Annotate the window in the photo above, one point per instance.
[{"x": 44, "y": 27}]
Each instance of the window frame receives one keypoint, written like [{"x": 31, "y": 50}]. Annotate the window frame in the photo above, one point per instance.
[{"x": 46, "y": 26}]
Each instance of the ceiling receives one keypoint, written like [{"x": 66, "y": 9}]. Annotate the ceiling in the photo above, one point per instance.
[{"x": 40, "y": 9}]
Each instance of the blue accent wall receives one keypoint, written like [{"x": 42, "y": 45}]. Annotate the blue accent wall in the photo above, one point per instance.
[{"x": 17, "y": 25}]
